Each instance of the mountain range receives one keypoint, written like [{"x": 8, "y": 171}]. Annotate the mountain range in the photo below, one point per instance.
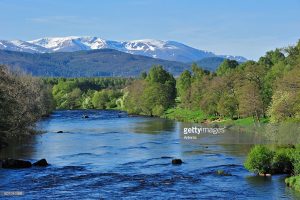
[
  {"x": 92, "y": 63},
  {"x": 166, "y": 50}
]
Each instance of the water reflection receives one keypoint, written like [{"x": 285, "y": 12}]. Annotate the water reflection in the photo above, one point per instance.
[
  {"x": 278, "y": 134},
  {"x": 154, "y": 126}
]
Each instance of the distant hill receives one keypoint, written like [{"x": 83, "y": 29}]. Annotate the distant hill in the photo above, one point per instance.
[
  {"x": 103, "y": 62},
  {"x": 211, "y": 63}
]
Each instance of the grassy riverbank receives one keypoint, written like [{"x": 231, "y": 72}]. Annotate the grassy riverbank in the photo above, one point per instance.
[{"x": 198, "y": 116}]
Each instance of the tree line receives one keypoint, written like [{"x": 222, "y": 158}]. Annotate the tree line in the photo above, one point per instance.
[
  {"x": 88, "y": 93},
  {"x": 268, "y": 88}
]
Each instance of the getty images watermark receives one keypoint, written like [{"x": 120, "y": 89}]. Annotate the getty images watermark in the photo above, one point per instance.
[{"x": 191, "y": 133}]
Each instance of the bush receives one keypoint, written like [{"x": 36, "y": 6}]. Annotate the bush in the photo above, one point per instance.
[
  {"x": 296, "y": 161},
  {"x": 283, "y": 161},
  {"x": 158, "y": 110},
  {"x": 293, "y": 182},
  {"x": 259, "y": 160}
]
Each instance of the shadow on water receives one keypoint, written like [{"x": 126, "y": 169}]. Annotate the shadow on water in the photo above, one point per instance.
[{"x": 21, "y": 147}]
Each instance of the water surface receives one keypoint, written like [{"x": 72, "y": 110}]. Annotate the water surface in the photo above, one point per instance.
[{"x": 111, "y": 156}]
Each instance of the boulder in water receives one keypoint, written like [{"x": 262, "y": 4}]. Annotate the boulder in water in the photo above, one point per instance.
[
  {"x": 59, "y": 132},
  {"x": 85, "y": 116},
  {"x": 41, "y": 163},
  {"x": 15, "y": 164},
  {"x": 223, "y": 173},
  {"x": 176, "y": 161}
]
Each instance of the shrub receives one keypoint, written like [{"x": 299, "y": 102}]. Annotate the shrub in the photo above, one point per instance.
[
  {"x": 158, "y": 110},
  {"x": 259, "y": 160},
  {"x": 283, "y": 161},
  {"x": 293, "y": 182},
  {"x": 296, "y": 161}
]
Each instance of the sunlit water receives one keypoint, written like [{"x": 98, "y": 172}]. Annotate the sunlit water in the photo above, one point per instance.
[{"x": 111, "y": 156}]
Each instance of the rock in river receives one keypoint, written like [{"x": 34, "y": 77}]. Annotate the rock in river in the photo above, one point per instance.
[
  {"x": 41, "y": 163},
  {"x": 176, "y": 161},
  {"x": 15, "y": 164}
]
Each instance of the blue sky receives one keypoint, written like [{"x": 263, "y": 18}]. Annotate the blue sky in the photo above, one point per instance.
[{"x": 236, "y": 27}]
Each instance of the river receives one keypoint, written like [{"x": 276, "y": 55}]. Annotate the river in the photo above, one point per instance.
[{"x": 111, "y": 156}]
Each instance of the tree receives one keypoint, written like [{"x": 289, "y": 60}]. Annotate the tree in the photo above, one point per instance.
[
  {"x": 227, "y": 105},
  {"x": 153, "y": 95},
  {"x": 100, "y": 99},
  {"x": 133, "y": 102},
  {"x": 226, "y": 67},
  {"x": 183, "y": 86},
  {"x": 259, "y": 160},
  {"x": 23, "y": 100},
  {"x": 285, "y": 100},
  {"x": 250, "y": 100},
  {"x": 271, "y": 58}
]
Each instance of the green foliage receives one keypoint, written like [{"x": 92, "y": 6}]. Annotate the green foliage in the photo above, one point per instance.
[
  {"x": 227, "y": 105},
  {"x": 269, "y": 87},
  {"x": 210, "y": 63},
  {"x": 285, "y": 101},
  {"x": 106, "y": 99},
  {"x": 271, "y": 58},
  {"x": 296, "y": 161},
  {"x": 183, "y": 85},
  {"x": 87, "y": 93},
  {"x": 259, "y": 160},
  {"x": 23, "y": 100},
  {"x": 283, "y": 161},
  {"x": 153, "y": 95},
  {"x": 293, "y": 182},
  {"x": 133, "y": 101},
  {"x": 226, "y": 67}
]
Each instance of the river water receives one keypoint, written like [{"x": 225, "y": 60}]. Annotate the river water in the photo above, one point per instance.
[{"x": 111, "y": 156}]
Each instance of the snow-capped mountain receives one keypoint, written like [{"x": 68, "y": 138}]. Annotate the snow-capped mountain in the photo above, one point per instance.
[
  {"x": 19, "y": 45},
  {"x": 167, "y": 50}
]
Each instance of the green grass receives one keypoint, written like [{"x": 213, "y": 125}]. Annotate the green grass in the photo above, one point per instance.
[
  {"x": 198, "y": 116},
  {"x": 185, "y": 115},
  {"x": 293, "y": 182},
  {"x": 244, "y": 121}
]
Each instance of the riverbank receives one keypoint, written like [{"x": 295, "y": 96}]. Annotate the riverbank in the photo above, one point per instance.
[{"x": 186, "y": 115}]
